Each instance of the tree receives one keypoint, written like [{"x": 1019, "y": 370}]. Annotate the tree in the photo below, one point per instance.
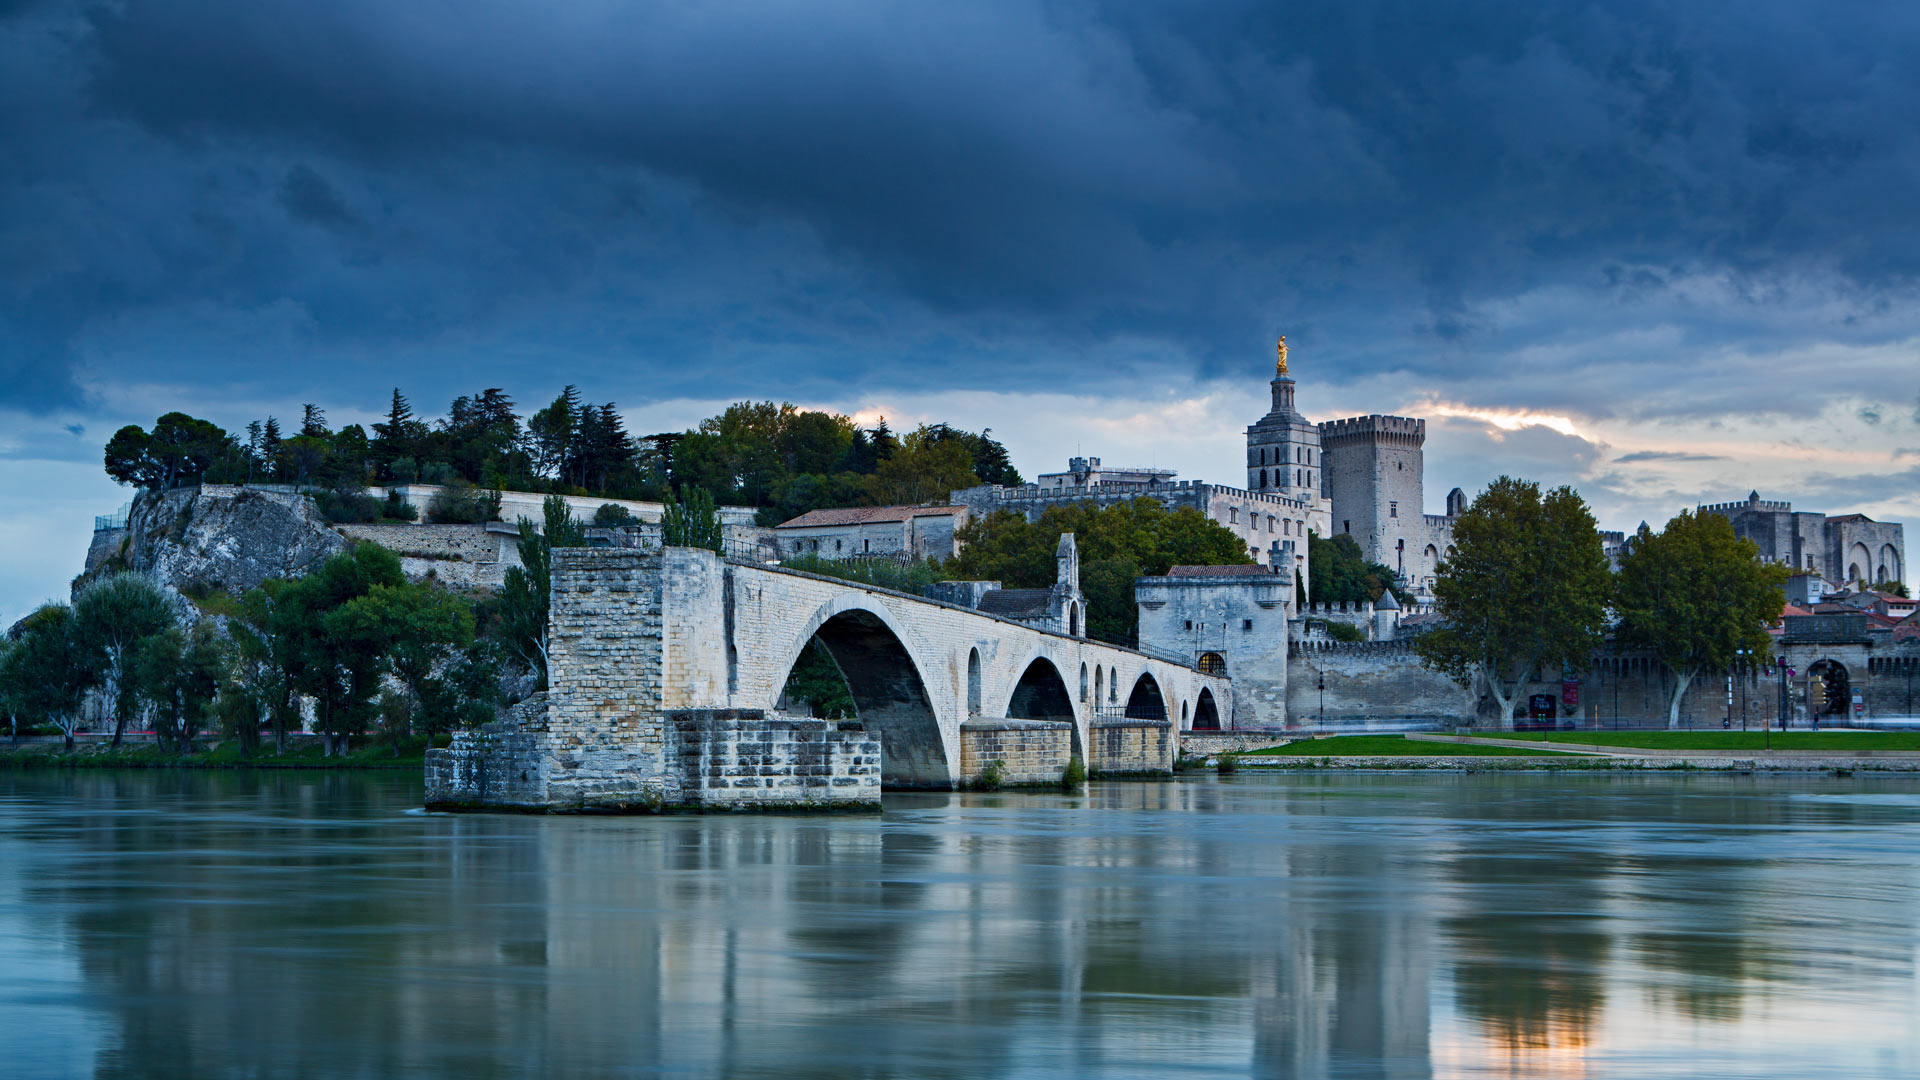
[
  {"x": 179, "y": 675},
  {"x": 1695, "y": 594},
  {"x": 927, "y": 468},
  {"x": 332, "y": 659},
  {"x": 1117, "y": 544},
  {"x": 1526, "y": 590},
  {"x": 111, "y": 618},
  {"x": 692, "y": 521},
  {"x": 460, "y": 503},
  {"x": 313, "y": 422},
  {"x": 420, "y": 634},
  {"x": 44, "y": 676},
  {"x": 551, "y": 432},
  {"x": 180, "y": 449},
  {"x": 613, "y": 516},
  {"x": 526, "y": 597},
  {"x": 398, "y": 436},
  {"x": 1341, "y": 573}
]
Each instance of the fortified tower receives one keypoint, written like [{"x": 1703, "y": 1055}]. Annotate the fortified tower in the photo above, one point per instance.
[
  {"x": 1283, "y": 448},
  {"x": 1374, "y": 468}
]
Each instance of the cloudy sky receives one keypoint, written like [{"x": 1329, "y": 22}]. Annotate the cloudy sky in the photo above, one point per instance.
[{"x": 1666, "y": 253}]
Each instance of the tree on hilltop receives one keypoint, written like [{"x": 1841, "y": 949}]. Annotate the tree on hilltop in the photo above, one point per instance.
[
  {"x": 1695, "y": 595},
  {"x": 1525, "y": 591}
]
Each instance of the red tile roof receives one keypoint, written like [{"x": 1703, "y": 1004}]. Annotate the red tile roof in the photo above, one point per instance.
[
  {"x": 1220, "y": 571},
  {"x": 862, "y": 515}
]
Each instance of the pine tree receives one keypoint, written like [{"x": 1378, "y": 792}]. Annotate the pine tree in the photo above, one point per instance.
[
  {"x": 313, "y": 422},
  {"x": 270, "y": 446}
]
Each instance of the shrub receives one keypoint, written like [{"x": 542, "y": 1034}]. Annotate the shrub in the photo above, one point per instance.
[
  {"x": 398, "y": 509},
  {"x": 1340, "y": 631},
  {"x": 347, "y": 506},
  {"x": 613, "y": 516},
  {"x": 461, "y": 503},
  {"x": 1075, "y": 775},
  {"x": 911, "y": 577},
  {"x": 991, "y": 777},
  {"x": 1228, "y": 763}
]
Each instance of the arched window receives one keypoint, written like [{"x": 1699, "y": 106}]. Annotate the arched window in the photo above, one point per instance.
[
  {"x": 1099, "y": 684},
  {"x": 1073, "y": 620},
  {"x": 1113, "y": 684},
  {"x": 973, "y": 683},
  {"x": 1213, "y": 663},
  {"x": 1083, "y": 682},
  {"x": 1263, "y": 478}
]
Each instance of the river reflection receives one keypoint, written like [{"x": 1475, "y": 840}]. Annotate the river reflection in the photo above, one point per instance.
[{"x": 1372, "y": 925}]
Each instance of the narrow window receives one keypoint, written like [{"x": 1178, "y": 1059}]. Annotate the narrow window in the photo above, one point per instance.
[
  {"x": 1263, "y": 478},
  {"x": 1246, "y": 624},
  {"x": 1393, "y": 509}
]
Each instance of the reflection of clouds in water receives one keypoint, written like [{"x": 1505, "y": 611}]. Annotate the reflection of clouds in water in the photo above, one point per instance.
[{"x": 1386, "y": 926}]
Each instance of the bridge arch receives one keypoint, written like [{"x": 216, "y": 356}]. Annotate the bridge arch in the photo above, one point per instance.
[
  {"x": 1146, "y": 701},
  {"x": 887, "y": 683},
  {"x": 1041, "y": 694},
  {"x": 1206, "y": 715}
]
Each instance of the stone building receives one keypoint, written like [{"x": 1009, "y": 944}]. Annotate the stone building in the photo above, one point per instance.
[
  {"x": 913, "y": 532},
  {"x": 1227, "y": 620},
  {"x": 1850, "y": 547}
]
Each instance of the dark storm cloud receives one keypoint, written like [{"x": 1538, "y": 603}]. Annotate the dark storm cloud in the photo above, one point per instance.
[{"x": 998, "y": 194}]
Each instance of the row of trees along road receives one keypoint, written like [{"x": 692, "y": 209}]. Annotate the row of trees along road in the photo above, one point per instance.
[
  {"x": 782, "y": 459},
  {"x": 1528, "y": 592}
]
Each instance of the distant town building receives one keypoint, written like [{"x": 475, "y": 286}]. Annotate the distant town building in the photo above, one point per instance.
[
  {"x": 1850, "y": 547},
  {"x": 910, "y": 532}
]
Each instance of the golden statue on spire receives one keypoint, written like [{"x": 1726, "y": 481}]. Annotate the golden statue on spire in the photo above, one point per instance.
[{"x": 1280, "y": 368}]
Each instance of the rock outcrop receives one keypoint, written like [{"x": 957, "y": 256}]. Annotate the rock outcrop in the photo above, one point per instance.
[{"x": 192, "y": 540}]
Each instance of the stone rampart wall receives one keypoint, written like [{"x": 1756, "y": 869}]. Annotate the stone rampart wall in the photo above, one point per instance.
[
  {"x": 1029, "y": 751},
  {"x": 1210, "y": 743},
  {"x": 465, "y": 543},
  {"x": 1371, "y": 686},
  {"x": 1131, "y": 747}
]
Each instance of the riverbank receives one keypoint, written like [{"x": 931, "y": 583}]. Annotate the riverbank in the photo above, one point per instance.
[
  {"x": 1822, "y": 752},
  {"x": 225, "y": 755}
]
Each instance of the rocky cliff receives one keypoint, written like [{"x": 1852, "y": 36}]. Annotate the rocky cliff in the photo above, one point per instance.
[{"x": 214, "y": 537}]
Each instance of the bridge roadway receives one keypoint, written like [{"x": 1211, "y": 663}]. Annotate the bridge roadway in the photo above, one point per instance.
[{"x": 637, "y": 634}]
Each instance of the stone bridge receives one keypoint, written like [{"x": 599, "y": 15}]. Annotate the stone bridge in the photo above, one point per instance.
[{"x": 667, "y": 669}]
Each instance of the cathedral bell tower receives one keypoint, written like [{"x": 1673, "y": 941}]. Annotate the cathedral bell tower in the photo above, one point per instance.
[{"x": 1283, "y": 448}]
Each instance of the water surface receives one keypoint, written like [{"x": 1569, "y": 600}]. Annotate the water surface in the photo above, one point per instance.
[{"x": 1341, "y": 925}]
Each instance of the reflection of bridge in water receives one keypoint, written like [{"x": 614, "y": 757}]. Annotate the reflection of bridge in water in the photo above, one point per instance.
[{"x": 666, "y": 668}]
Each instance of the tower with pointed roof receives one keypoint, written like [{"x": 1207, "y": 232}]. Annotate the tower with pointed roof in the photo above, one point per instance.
[{"x": 1283, "y": 447}]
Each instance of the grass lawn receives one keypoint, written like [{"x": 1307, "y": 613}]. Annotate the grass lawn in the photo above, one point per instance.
[
  {"x": 1723, "y": 740},
  {"x": 1390, "y": 746},
  {"x": 364, "y": 754}
]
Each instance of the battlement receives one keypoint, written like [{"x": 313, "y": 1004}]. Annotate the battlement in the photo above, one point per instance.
[
  {"x": 1385, "y": 430},
  {"x": 1750, "y": 503}
]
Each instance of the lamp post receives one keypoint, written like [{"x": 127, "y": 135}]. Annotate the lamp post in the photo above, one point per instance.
[
  {"x": 1741, "y": 656},
  {"x": 1323, "y": 699}
]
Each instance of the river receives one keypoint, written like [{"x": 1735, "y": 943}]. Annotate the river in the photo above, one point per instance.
[{"x": 206, "y": 924}]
